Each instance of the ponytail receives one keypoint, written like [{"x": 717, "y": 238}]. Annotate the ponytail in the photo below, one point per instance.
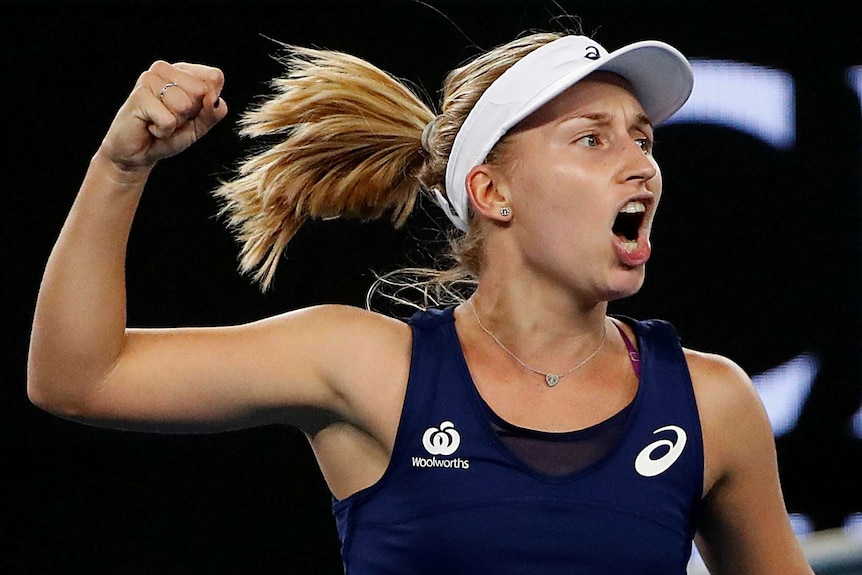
[{"x": 350, "y": 145}]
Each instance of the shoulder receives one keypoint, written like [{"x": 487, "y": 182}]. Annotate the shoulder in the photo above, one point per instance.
[
  {"x": 362, "y": 357},
  {"x": 350, "y": 335},
  {"x": 740, "y": 475},
  {"x": 736, "y": 429},
  {"x": 335, "y": 344},
  {"x": 719, "y": 383},
  {"x": 717, "y": 380},
  {"x": 336, "y": 320},
  {"x": 357, "y": 330}
]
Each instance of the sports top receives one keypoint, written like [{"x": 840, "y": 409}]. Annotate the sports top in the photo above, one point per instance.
[
  {"x": 567, "y": 452},
  {"x": 454, "y": 499}
]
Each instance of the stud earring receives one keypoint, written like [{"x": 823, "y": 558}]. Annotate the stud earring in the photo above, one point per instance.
[{"x": 505, "y": 211}]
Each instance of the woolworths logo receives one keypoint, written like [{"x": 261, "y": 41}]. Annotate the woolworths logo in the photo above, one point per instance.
[{"x": 443, "y": 440}]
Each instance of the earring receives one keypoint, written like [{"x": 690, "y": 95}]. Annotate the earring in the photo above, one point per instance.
[{"x": 505, "y": 211}]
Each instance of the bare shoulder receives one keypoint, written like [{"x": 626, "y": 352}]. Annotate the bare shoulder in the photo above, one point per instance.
[
  {"x": 740, "y": 476},
  {"x": 730, "y": 408},
  {"x": 367, "y": 354},
  {"x": 732, "y": 417},
  {"x": 720, "y": 384},
  {"x": 345, "y": 320},
  {"x": 353, "y": 340},
  {"x": 367, "y": 358}
]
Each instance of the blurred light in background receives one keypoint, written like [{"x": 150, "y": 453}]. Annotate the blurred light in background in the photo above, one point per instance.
[
  {"x": 802, "y": 525},
  {"x": 784, "y": 390},
  {"x": 854, "y": 79},
  {"x": 757, "y": 100}
]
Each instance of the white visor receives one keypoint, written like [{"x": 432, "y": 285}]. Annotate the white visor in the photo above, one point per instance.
[{"x": 660, "y": 76}]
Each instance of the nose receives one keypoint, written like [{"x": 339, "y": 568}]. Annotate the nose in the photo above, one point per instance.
[{"x": 638, "y": 165}]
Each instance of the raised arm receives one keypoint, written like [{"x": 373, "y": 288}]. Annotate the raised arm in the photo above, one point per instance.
[
  {"x": 80, "y": 318},
  {"x": 84, "y": 364},
  {"x": 744, "y": 527}
]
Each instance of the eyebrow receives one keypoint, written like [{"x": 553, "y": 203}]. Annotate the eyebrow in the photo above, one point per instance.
[{"x": 603, "y": 118}]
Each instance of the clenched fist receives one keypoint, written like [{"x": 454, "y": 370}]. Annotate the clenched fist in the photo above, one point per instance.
[{"x": 169, "y": 109}]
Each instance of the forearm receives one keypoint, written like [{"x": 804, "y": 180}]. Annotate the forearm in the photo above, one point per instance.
[{"x": 80, "y": 316}]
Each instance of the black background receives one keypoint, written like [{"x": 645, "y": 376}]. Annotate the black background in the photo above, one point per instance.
[{"x": 756, "y": 254}]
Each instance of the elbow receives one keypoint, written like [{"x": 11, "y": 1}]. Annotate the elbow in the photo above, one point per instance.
[
  {"x": 47, "y": 392},
  {"x": 44, "y": 380},
  {"x": 60, "y": 406},
  {"x": 40, "y": 394},
  {"x": 36, "y": 387}
]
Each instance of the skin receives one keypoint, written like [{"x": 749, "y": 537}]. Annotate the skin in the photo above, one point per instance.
[{"x": 339, "y": 373}]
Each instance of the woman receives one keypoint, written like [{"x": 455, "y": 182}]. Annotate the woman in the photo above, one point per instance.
[{"x": 520, "y": 431}]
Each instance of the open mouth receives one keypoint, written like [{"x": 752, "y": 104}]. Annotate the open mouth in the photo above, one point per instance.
[{"x": 628, "y": 223}]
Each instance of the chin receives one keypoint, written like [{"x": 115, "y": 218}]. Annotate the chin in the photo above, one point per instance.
[{"x": 628, "y": 285}]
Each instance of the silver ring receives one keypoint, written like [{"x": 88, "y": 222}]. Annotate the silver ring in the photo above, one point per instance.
[{"x": 167, "y": 87}]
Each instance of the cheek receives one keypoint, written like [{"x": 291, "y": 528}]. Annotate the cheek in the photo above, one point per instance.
[{"x": 558, "y": 183}]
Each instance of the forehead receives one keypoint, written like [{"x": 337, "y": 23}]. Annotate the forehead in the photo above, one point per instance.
[{"x": 590, "y": 95}]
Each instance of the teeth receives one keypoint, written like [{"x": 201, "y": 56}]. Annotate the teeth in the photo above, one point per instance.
[
  {"x": 630, "y": 245},
  {"x": 633, "y": 207}
]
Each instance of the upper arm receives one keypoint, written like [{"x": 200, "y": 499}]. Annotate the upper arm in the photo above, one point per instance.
[
  {"x": 744, "y": 527},
  {"x": 208, "y": 379}
]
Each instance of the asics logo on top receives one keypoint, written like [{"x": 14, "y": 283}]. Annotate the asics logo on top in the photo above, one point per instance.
[
  {"x": 443, "y": 440},
  {"x": 649, "y": 467}
]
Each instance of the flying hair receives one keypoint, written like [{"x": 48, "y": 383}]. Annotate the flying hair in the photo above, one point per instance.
[{"x": 349, "y": 145}]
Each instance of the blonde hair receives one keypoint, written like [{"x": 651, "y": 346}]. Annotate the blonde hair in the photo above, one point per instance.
[{"x": 351, "y": 145}]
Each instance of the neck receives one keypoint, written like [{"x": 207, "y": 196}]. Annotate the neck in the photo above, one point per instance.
[
  {"x": 549, "y": 334},
  {"x": 532, "y": 308},
  {"x": 551, "y": 377}
]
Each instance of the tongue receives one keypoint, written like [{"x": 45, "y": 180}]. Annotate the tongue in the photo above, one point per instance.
[{"x": 633, "y": 257}]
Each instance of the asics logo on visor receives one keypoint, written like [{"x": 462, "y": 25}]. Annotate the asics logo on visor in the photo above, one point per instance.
[{"x": 592, "y": 53}]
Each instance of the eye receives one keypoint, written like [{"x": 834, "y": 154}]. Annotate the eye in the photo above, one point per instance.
[
  {"x": 645, "y": 144},
  {"x": 590, "y": 141}
]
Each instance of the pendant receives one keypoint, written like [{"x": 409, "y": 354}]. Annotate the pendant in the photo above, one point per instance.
[{"x": 552, "y": 379}]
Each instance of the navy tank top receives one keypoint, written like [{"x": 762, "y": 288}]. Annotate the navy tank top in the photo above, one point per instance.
[{"x": 454, "y": 499}]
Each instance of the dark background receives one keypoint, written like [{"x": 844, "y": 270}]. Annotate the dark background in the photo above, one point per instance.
[{"x": 756, "y": 254}]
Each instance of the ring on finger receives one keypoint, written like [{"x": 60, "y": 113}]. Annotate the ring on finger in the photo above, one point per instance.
[{"x": 166, "y": 87}]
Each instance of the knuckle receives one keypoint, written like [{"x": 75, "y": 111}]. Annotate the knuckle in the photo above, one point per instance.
[
  {"x": 215, "y": 76},
  {"x": 160, "y": 67},
  {"x": 186, "y": 109},
  {"x": 167, "y": 125}
]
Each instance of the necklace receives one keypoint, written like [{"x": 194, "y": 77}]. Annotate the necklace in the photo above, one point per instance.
[{"x": 550, "y": 378}]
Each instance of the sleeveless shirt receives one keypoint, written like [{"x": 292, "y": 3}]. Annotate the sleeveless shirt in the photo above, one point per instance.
[{"x": 454, "y": 499}]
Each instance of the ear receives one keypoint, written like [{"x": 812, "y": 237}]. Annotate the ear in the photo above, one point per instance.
[{"x": 488, "y": 194}]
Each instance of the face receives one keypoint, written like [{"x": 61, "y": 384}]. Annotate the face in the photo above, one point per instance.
[{"x": 583, "y": 186}]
